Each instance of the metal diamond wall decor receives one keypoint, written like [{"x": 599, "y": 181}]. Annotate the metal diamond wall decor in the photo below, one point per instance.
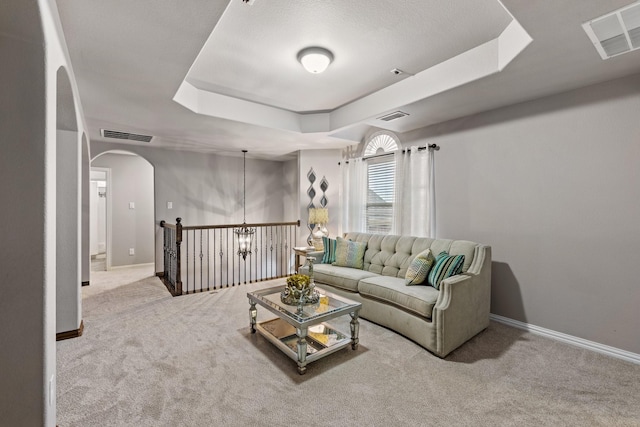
[{"x": 324, "y": 184}]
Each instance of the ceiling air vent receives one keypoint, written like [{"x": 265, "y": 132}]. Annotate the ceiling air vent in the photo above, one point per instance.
[
  {"x": 393, "y": 116},
  {"x": 125, "y": 135},
  {"x": 617, "y": 32}
]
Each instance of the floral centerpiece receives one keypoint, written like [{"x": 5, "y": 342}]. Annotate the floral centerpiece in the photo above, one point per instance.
[{"x": 300, "y": 290}]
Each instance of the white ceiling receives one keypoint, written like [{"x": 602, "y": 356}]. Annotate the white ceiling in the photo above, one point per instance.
[{"x": 231, "y": 67}]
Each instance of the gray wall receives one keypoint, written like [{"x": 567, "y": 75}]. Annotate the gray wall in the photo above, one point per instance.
[
  {"x": 324, "y": 164},
  {"x": 27, "y": 315},
  {"x": 68, "y": 221},
  {"x": 291, "y": 199},
  {"x": 34, "y": 103},
  {"x": 207, "y": 188},
  {"x": 86, "y": 186},
  {"x": 131, "y": 181},
  {"x": 553, "y": 186}
]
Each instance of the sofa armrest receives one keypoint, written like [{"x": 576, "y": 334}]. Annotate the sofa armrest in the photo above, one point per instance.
[{"x": 462, "y": 308}]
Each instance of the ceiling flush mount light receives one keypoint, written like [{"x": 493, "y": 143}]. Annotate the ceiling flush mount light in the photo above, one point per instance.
[{"x": 315, "y": 59}]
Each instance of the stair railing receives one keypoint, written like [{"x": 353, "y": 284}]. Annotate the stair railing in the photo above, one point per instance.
[{"x": 205, "y": 257}]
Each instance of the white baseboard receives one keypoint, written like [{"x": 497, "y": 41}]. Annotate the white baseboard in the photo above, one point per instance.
[
  {"x": 570, "y": 339},
  {"x": 119, "y": 267}
]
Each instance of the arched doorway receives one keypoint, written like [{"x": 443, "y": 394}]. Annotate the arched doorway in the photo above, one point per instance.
[{"x": 122, "y": 204}]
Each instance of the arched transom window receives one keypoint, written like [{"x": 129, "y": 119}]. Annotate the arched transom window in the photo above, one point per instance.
[{"x": 381, "y": 142}]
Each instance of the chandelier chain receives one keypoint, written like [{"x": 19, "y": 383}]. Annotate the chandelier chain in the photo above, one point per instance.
[{"x": 244, "y": 186}]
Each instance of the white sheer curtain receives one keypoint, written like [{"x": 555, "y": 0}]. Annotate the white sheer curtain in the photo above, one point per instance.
[
  {"x": 432, "y": 193},
  {"x": 353, "y": 195},
  {"x": 414, "y": 201}
]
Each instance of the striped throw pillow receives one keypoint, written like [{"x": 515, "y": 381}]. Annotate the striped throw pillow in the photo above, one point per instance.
[
  {"x": 329, "y": 250},
  {"x": 350, "y": 254},
  {"x": 446, "y": 266},
  {"x": 419, "y": 268}
]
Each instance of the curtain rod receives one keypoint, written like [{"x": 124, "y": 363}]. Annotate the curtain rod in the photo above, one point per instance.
[{"x": 430, "y": 147}]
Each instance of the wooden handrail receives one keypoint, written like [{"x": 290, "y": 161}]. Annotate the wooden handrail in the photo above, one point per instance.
[
  {"x": 212, "y": 227},
  {"x": 165, "y": 224}
]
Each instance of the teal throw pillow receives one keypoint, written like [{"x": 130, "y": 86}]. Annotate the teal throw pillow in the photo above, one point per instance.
[
  {"x": 349, "y": 254},
  {"x": 419, "y": 268},
  {"x": 446, "y": 266},
  {"x": 329, "y": 256}
]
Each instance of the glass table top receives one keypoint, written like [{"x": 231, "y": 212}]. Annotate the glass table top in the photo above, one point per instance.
[{"x": 329, "y": 303}]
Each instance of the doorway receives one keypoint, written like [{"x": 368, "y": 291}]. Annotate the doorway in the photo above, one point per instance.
[
  {"x": 124, "y": 199},
  {"x": 100, "y": 178}
]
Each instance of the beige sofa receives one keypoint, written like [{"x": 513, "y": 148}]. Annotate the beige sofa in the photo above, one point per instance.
[{"x": 439, "y": 320}]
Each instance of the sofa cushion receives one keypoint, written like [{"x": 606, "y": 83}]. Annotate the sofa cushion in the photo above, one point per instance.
[
  {"x": 349, "y": 254},
  {"x": 466, "y": 248},
  {"x": 364, "y": 238},
  {"x": 416, "y": 299},
  {"x": 419, "y": 268},
  {"x": 340, "y": 277},
  {"x": 446, "y": 266},
  {"x": 329, "y": 255}
]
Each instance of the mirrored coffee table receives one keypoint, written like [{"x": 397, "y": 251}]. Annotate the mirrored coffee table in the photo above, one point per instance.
[{"x": 302, "y": 332}]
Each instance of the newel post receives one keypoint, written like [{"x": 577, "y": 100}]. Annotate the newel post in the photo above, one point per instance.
[
  {"x": 178, "y": 256},
  {"x": 165, "y": 251}
]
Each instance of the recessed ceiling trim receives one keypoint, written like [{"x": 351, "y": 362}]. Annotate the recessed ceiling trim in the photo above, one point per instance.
[
  {"x": 476, "y": 63},
  {"x": 251, "y": 55}
]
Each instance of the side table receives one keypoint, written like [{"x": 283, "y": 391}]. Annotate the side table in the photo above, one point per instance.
[{"x": 301, "y": 251}]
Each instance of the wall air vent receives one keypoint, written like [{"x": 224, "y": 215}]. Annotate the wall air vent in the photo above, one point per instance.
[
  {"x": 125, "y": 135},
  {"x": 617, "y": 32},
  {"x": 393, "y": 116}
]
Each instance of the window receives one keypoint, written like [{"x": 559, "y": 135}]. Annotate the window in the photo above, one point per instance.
[{"x": 380, "y": 182}]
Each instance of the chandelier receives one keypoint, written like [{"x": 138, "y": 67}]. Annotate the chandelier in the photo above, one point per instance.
[{"x": 243, "y": 233}]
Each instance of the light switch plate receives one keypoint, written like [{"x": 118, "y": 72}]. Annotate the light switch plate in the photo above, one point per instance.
[
  {"x": 132, "y": 205},
  {"x": 169, "y": 205}
]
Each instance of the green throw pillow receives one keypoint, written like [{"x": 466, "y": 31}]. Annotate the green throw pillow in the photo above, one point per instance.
[
  {"x": 419, "y": 268},
  {"x": 329, "y": 256},
  {"x": 446, "y": 266},
  {"x": 349, "y": 254}
]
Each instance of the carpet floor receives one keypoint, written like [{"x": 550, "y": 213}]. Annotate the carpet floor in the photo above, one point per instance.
[{"x": 148, "y": 359}]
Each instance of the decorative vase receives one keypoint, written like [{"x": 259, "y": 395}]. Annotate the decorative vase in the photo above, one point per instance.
[
  {"x": 318, "y": 217},
  {"x": 318, "y": 233}
]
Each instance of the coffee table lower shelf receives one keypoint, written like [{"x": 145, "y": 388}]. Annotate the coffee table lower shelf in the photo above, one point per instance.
[{"x": 321, "y": 340}]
